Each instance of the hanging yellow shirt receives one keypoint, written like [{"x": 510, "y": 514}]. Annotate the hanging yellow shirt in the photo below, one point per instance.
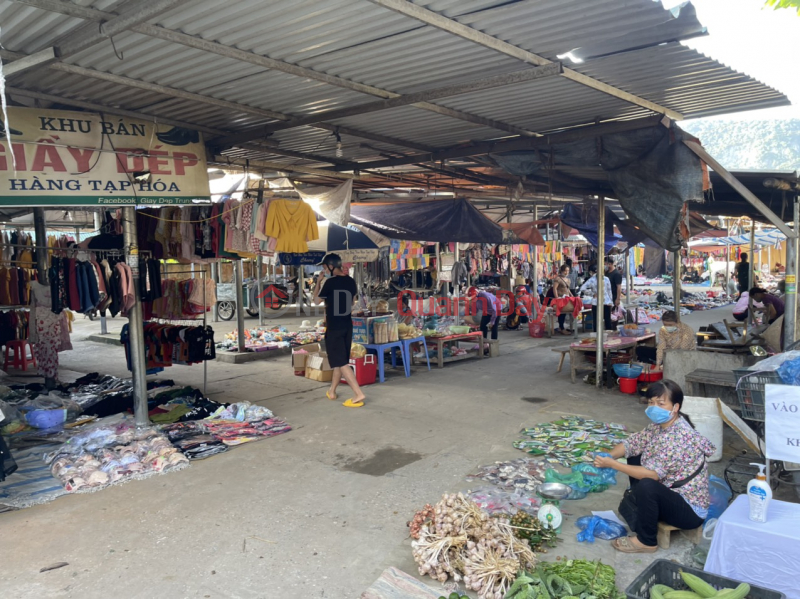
[{"x": 292, "y": 223}]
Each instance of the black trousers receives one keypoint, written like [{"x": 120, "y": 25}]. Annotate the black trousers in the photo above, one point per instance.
[
  {"x": 485, "y": 319},
  {"x": 657, "y": 503},
  {"x": 609, "y": 324},
  {"x": 561, "y": 320}
]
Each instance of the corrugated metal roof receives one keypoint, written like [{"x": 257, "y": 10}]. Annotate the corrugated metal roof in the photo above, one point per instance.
[{"x": 362, "y": 42}]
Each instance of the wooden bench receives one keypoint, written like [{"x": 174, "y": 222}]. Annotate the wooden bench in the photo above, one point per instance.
[
  {"x": 664, "y": 531},
  {"x": 563, "y": 351},
  {"x": 698, "y": 379}
]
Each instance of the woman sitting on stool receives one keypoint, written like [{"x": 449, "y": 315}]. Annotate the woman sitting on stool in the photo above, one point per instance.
[{"x": 667, "y": 469}]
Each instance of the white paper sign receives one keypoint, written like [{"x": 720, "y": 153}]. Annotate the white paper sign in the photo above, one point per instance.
[{"x": 782, "y": 417}]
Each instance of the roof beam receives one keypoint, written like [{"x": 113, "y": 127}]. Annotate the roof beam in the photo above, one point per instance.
[
  {"x": 277, "y": 166},
  {"x": 16, "y": 91},
  {"x": 132, "y": 14},
  {"x": 548, "y": 70},
  {"x": 528, "y": 143},
  {"x": 197, "y": 43},
  {"x": 435, "y": 19},
  {"x": 179, "y": 93}
]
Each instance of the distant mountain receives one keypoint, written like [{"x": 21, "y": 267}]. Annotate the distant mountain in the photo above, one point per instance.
[{"x": 764, "y": 145}]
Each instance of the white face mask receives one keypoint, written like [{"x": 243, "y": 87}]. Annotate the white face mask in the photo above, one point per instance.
[{"x": 670, "y": 329}]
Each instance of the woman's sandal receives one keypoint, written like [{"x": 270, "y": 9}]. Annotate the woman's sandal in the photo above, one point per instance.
[
  {"x": 353, "y": 404},
  {"x": 328, "y": 395},
  {"x": 625, "y": 545}
]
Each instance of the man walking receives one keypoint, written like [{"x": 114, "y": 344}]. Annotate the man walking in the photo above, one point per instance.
[
  {"x": 591, "y": 286},
  {"x": 338, "y": 291}
]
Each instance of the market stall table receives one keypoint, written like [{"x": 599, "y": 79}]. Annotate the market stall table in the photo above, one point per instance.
[
  {"x": 475, "y": 336},
  {"x": 611, "y": 344},
  {"x": 761, "y": 553}
]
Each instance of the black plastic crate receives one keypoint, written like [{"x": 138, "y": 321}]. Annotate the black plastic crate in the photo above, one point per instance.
[
  {"x": 750, "y": 389},
  {"x": 666, "y": 572}
]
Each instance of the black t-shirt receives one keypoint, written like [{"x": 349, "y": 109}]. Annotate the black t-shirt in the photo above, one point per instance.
[
  {"x": 339, "y": 292},
  {"x": 616, "y": 279},
  {"x": 743, "y": 274}
]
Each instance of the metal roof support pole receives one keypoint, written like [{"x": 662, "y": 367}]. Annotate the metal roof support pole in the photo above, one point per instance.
[
  {"x": 40, "y": 228},
  {"x": 135, "y": 320},
  {"x": 238, "y": 283},
  {"x": 676, "y": 284},
  {"x": 535, "y": 270},
  {"x": 98, "y": 225},
  {"x": 751, "y": 270},
  {"x": 599, "y": 313},
  {"x": 790, "y": 333},
  {"x": 628, "y": 282},
  {"x": 215, "y": 278},
  {"x": 509, "y": 255},
  {"x": 739, "y": 187}
]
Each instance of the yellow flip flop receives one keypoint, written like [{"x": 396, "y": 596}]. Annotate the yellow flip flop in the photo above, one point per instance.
[
  {"x": 328, "y": 395},
  {"x": 353, "y": 404}
]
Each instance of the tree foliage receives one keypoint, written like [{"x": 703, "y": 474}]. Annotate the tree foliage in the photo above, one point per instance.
[
  {"x": 776, "y": 4},
  {"x": 761, "y": 145}
]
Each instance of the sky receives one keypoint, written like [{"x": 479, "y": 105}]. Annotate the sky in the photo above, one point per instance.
[{"x": 755, "y": 40}]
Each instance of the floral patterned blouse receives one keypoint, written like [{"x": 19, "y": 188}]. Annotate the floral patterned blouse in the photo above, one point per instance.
[{"x": 674, "y": 453}]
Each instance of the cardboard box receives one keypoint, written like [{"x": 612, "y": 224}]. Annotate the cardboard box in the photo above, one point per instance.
[
  {"x": 323, "y": 376},
  {"x": 318, "y": 368},
  {"x": 299, "y": 359}
]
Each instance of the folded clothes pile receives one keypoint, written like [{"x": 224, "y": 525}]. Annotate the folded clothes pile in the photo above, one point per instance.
[
  {"x": 105, "y": 455},
  {"x": 200, "y": 446},
  {"x": 201, "y": 439}
]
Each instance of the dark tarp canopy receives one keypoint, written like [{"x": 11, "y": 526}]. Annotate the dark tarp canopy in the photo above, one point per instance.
[
  {"x": 437, "y": 220},
  {"x": 524, "y": 232},
  {"x": 649, "y": 171}
]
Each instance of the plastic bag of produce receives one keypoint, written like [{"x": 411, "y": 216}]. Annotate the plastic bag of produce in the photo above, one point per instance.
[
  {"x": 596, "y": 527},
  {"x": 606, "y": 476},
  {"x": 358, "y": 351}
]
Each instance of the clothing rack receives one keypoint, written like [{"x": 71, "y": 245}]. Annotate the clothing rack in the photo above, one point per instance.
[{"x": 189, "y": 321}]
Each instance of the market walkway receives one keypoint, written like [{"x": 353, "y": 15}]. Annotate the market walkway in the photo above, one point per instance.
[{"x": 318, "y": 512}]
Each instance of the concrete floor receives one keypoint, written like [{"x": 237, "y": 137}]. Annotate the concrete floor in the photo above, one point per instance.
[{"x": 320, "y": 511}]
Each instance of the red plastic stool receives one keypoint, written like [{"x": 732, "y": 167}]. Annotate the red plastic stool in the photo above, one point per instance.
[{"x": 20, "y": 355}]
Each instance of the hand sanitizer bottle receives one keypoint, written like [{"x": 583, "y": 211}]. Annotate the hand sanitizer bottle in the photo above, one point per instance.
[{"x": 759, "y": 493}]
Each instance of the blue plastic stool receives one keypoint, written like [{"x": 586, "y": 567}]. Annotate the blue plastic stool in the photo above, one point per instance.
[
  {"x": 407, "y": 349},
  {"x": 380, "y": 349}
]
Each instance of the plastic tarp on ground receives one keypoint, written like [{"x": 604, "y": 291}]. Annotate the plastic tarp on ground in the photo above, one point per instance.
[
  {"x": 438, "y": 220},
  {"x": 650, "y": 171}
]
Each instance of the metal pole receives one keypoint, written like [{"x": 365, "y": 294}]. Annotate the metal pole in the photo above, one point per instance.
[
  {"x": 98, "y": 225},
  {"x": 535, "y": 273},
  {"x": 259, "y": 266},
  {"x": 238, "y": 283},
  {"x": 676, "y": 284},
  {"x": 456, "y": 292},
  {"x": 135, "y": 321},
  {"x": 628, "y": 282},
  {"x": 751, "y": 278},
  {"x": 790, "y": 333},
  {"x": 40, "y": 228},
  {"x": 600, "y": 311},
  {"x": 510, "y": 270},
  {"x": 215, "y": 278}
]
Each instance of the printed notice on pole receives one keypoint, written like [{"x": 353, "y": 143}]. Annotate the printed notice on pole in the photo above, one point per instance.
[
  {"x": 791, "y": 284},
  {"x": 782, "y": 418},
  {"x": 133, "y": 262}
]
